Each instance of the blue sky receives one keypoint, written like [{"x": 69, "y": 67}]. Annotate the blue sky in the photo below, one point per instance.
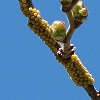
[{"x": 28, "y": 69}]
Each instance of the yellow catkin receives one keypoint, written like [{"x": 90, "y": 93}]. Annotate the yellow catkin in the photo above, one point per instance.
[
  {"x": 24, "y": 1},
  {"x": 44, "y": 22},
  {"x": 77, "y": 72},
  {"x": 26, "y": 9},
  {"x": 32, "y": 17},
  {"x": 38, "y": 16},
  {"x": 23, "y": 5},
  {"x": 31, "y": 9}
]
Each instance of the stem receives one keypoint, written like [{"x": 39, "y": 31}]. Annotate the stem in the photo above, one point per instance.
[
  {"x": 92, "y": 92},
  {"x": 69, "y": 34},
  {"x": 71, "y": 27},
  {"x": 29, "y": 3}
]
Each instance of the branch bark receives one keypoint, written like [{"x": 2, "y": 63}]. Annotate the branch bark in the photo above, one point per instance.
[
  {"x": 29, "y": 3},
  {"x": 92, "y": 92},
  {"x": 69, "y": 32}
]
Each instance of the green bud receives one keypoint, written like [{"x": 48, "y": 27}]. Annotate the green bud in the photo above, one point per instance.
[
  {"x": 76, "y": 15},
  {"x": 83, "y": 12},
  {"x": 78, "y": 6},
  {"x": 59, "y": 30},
  {"x": 83, "y": 19},
  {"x": 80, "y": 12}
]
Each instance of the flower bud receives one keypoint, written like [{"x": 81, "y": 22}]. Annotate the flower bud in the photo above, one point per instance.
[
  {"x": 80, "y": 12},
  {"x": 59, "y": 30},
  {"x": 83, "y": 12}
]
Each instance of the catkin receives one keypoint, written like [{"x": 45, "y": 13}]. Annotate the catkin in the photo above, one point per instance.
[
  {"x": 77, "y": 72},
  {"x": 38, "y": 25}
]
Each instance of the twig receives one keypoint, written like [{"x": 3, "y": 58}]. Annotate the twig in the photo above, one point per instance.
[
  {"x": 69, "y": 34},
  {"x": 92, "y": 92},
  {"x": 29, "y": 3},
  {"x": 70, "y": 29}
]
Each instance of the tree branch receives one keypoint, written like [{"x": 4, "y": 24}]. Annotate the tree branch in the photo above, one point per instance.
[
  {"x": 70, "y": 29},
  {"x": 92, "y": 92},
  {"x": 69, "y": 34}
]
